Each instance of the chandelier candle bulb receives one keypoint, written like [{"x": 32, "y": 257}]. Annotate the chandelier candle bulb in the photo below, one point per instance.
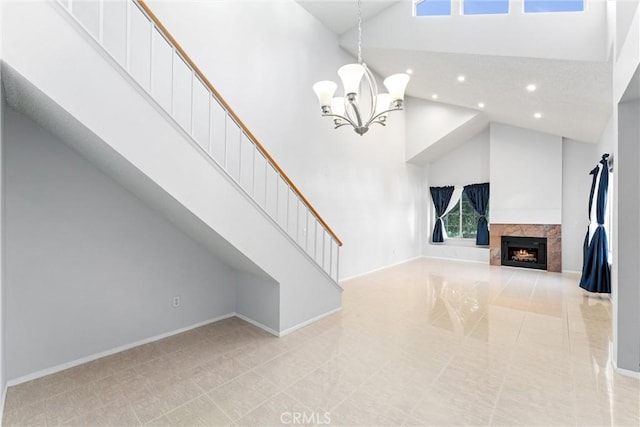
[
  {"x": 324, "y": 91},
  {"x": 351, "y": 76},
  {"x": 396, "y": 84}
]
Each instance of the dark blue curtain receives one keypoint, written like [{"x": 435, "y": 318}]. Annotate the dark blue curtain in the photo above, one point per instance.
[
  {"x": 441, "y": 197},
  {"x": 585, "y": 245},
  {"x": 596, "y": 275},
  {"x": 478, "y": 195}
]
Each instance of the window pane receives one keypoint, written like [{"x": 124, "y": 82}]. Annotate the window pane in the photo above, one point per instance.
[
  {"x": 485, "y": 7},
  {"x": 535, "y": 6},
  {"x": 452, "y": 222},
  {"x": 433, "y": 8},
  {"x": 469, "y": 219},
  {"x": 468, "y": 227}
]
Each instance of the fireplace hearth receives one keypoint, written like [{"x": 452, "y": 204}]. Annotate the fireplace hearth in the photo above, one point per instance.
[{"x": 527, "y": 252}]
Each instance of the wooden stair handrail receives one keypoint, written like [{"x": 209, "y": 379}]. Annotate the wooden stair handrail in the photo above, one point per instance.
[{"x": 143, "y": 5}]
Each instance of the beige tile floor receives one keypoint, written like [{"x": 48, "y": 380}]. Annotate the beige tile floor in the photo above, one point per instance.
[{"x": 427, "y": 343}]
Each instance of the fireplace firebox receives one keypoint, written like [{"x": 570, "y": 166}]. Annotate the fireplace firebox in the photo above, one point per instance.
[{"x": 527, "y": 252}]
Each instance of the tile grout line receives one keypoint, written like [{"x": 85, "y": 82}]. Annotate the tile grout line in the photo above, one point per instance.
[
  {"x": 508, "y": 368},
  {"x": 435, "y": 379},
  {"x": 133, "y": 366},
  {"x": 377, "y": 313}
]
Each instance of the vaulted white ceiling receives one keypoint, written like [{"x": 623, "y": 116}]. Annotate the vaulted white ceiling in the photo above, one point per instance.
[
  {"x": 340, "y": 16},
  {"x": 564, "y": 55}
]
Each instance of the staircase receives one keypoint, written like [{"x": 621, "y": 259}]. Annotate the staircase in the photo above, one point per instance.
[{"x": 109, "y": 78}]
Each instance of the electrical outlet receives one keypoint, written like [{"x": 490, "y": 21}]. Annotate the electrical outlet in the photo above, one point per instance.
[{"x": 176, "y": 301}]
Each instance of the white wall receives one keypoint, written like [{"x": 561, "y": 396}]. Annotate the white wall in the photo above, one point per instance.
[
  {"x": 526, "y": 176},
  {"x": 88, "y": 266},
  {"x": 624, "y": 13},
  {"x": 578, "y": 158},
  {"x": 468, "y": 164},
  {"x": 429, "y": 122},
  {"x": 528, "y": 35},
  {"x": 264, "y": 57}
]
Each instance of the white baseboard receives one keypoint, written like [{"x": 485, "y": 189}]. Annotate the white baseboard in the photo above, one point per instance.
[
  {"x": 380, "y": 269},
  {"x": 622, "y": 371},
  {"x": 572, "y": 271},
  {"x": 308, "y": 322},
  {"x": 473, "y": 261},
  {"x": 67, "y": 365},
  {"x": 83, "y": 360},
  {"x": 257, "y": 324},
  {"x": 4, "y": 398},
  {"x": 628, "y": 373},
  {"x": 288, "y": 330}
]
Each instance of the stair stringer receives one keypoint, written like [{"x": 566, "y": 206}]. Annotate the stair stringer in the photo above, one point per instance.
[{"x": 42, "y": 45}]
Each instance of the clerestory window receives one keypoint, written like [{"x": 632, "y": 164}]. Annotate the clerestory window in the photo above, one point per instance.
[
  {"x": 432, "y": 8},
  {"x": 539, "y": 6},
  {"x": 485, "y": 7}
]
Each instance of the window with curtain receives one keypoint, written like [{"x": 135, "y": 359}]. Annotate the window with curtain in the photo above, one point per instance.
[{"x": 462, "y": 221}]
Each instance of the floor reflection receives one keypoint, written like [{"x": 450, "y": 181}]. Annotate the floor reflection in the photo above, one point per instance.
[{"x": 429, "y": 342}]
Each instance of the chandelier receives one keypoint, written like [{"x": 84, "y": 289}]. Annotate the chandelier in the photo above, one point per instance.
[{"x": 347, "y": 109}]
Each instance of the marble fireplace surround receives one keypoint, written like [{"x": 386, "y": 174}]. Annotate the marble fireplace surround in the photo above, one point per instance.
[{"x": 551, "y": 231}]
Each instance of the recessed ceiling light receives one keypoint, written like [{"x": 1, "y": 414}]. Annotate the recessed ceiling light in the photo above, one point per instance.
[
  {"x": 537, "y": 115},
  {"x": 434, "y": 96},
  {"x": 531, "y": 87},
  {"x": 409, "y": 71},
  {"x": 480, "y": 104},
  {"x": 461, "y": 78}
]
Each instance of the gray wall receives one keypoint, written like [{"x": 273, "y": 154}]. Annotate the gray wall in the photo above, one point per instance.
[
  {"x": 258, "y": 298},
  {"x": 88, "y": 266},
  {"x": 3, "y": 376},
  {"x": 578, "y": 158},
  {"x": 626, "y": 290}
]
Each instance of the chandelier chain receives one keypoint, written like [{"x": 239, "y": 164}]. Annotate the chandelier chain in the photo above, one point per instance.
[{"x": 359, "y": 31}]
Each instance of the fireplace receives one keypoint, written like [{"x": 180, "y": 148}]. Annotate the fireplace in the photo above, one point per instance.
[
  {"x": 551, "y": 232},
  {"x": 528, "y": 252}
]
